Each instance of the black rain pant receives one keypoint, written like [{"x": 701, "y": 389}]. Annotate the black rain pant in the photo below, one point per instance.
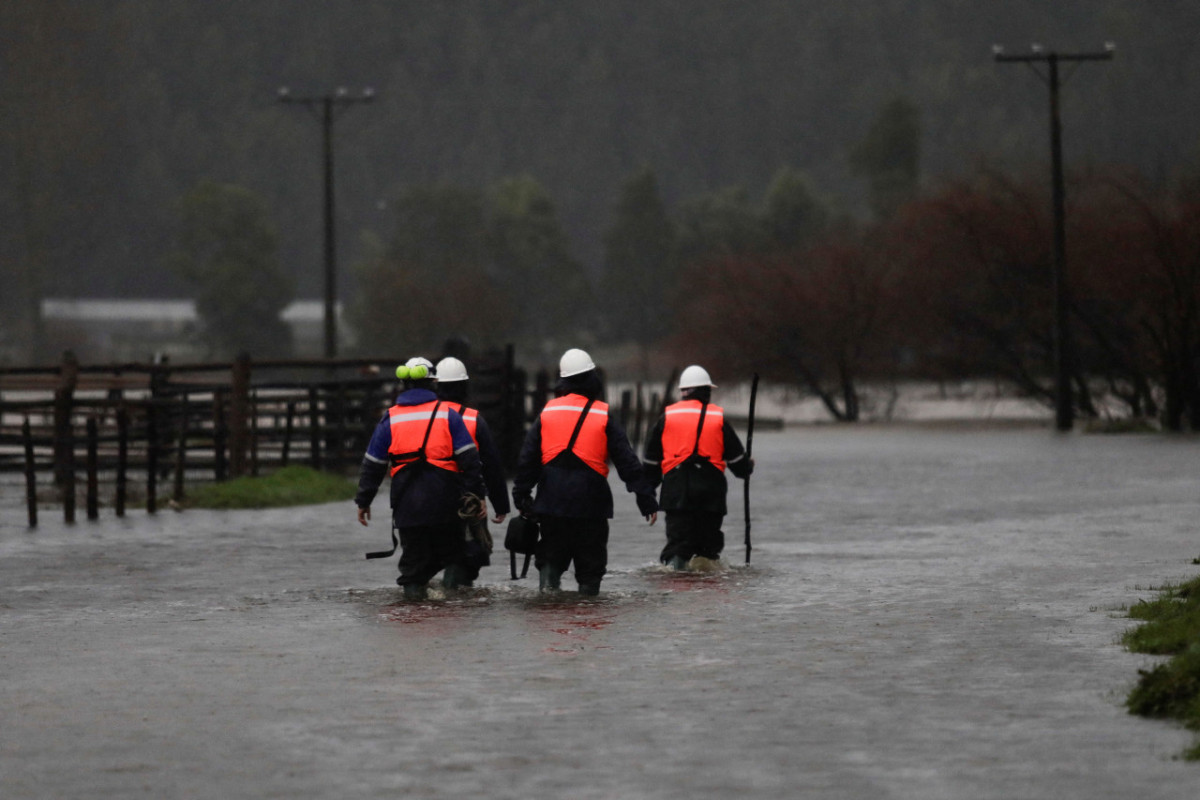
[
  {"x": 693, "y": 533},
  {"x": 475, "y": 557},
  {"x": 583, "y": 541},
  {"x": 426, "y": 550}
]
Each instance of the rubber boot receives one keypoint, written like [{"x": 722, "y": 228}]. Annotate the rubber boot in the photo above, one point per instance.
[
  {"x": 549, "y": 578},
  {"x": 589, "y": 589},
  {"x": 415, "y": 591},
  {"x": 679, "y": 563},
  {"x": 451, "y": 578}
]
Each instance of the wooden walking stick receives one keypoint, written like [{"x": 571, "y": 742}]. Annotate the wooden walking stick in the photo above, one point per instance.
[{"x": 749, "y": 445}]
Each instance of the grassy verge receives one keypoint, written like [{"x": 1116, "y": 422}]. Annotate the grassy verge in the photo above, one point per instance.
[
  {"x": 1171, "y": 627},
  {"x": 290, "y": 486}
]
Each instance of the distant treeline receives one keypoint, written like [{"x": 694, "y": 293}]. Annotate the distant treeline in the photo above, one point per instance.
[
  {"x": 820, "y": 191},
  {"x": 114, "y": 109}
]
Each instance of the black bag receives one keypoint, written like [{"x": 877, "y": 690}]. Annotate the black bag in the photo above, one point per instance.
[{"x": 522, "y": 535}]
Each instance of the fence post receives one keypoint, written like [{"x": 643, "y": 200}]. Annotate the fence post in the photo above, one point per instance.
[
  {"x": 219, "y": 435},
  {"x": 122, "y": 456},
  {"x": 181, "y": 450},
  {"x": 93, "y": 506},
  {"x": 30, "y": 474},
  {"x": 626, "y": 402},
  {"x": 314, "y": 429},
  {"x": 541, "y": 392},
  {"x": 339, "y": 428},
  {"x": 287, "y": 433},
  {"x": 151, "y": 458},
  {"x": 239, "y": 398},
  {"x": 515, "y": 411},
  {"x": 254, "y": 434},
  {"x": 638, "y": 416},
  {"x": 68, "y": 377},
  {"x": 68, "y": 485}
]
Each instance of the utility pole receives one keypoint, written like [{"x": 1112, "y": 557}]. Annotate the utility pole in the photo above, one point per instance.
[
  {"x": 1064, "y": 405},
  {"x": 324, "y": 108}
]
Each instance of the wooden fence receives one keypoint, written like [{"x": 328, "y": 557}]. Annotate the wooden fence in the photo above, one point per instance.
[{"x": 150, "y": 430}]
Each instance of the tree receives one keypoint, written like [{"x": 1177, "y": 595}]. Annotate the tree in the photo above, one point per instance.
[
  {"x": 889, "y": 157},
  {"x": 429, "y": 281},
  {"x": 719, "y": 224},
  {"x": 793, "y": 215},
  {"x": 48, "y": 136},
  {"x": 819, "y": 319},
  {"x": 1138, "y": 300},
  {"x": 640, "y": 258},
  {"x": 227, "y": 248},
  {"x": 977, "y": 285},
  {"x": 439, "y": 227},
  {"x": 976, "y": 261},
  {"x": 531, "y": 258}
]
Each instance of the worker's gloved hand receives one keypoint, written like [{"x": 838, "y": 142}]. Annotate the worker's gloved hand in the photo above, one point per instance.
[
  {"x": 647, "y": 504},
  {"x": 524, "y": 504}
]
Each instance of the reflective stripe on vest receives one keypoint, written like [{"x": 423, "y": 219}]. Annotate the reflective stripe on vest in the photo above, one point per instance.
[
  {"x": 679, "y": 434},
  {"x": 558, "y": 420},
  {"x": 408, "y": 431},
  {"x": 471, "y": 420}
]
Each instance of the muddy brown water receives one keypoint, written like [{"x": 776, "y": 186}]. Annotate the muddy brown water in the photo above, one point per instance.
[{"x": 928, "y": 614}]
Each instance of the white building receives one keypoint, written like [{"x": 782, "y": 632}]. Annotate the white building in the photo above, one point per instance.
[{"x": 136, "y": 330}]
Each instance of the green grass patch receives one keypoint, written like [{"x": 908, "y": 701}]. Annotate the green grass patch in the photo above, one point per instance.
[
  {"x": 1170, "y": 627},
  {"x": 290, "y": 486}
]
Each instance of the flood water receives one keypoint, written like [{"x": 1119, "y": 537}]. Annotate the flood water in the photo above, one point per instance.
[{"x": 927, "y": 614}]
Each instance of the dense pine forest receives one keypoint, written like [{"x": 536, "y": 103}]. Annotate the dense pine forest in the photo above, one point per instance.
[
  {"x": 567, "y": 122},
  {"x": 114, "y": 110}
]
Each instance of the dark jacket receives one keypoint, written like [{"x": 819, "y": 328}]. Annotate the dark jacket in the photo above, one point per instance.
[
  {"x": 421, "y": 494},
  {"x": 693, "y": 486},
  {"x": 567, "y": 487},
  {"x": 493, "y": 469}
]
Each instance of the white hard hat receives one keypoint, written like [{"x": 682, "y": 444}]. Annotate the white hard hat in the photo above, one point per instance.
[
  {"x": 695, "y": 376},
  {"x": 415, "y": 369},
  {"x": 574, "y": 362},
  {"x": 450, "y": 370}
]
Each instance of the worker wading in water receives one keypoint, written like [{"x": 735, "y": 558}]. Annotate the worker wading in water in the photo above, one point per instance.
[
  {"x": 688, "y": 449},
  {"x": 452, "y": 383},
  {"x": 566, "y": 455},
  {"x": 424, "y": 445}
]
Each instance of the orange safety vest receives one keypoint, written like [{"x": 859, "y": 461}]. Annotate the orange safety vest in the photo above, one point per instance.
[
  {"x": 679, "y": 434},
  {"x": 558, "y": 421},
  {"x": 470, "y": 418},
  {"x": 409, "y": 424}
]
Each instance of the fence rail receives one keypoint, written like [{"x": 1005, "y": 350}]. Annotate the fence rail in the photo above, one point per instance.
[{"x": 158, "y": 428}]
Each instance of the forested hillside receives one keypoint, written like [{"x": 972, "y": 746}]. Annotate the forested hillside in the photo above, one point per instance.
[{"x": 113, "y": 110}]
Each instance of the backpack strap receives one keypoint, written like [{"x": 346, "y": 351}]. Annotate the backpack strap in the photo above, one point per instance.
[
  {"x": 699, "y": 430},
  {"x": 512, "y": 565},
  {"x": 386, "y": 553},
  {"x": 419, "y": 453},
  {"x": 579, "y": 424}
]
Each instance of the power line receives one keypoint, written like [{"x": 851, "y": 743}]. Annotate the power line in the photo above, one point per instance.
[
  {"x": 324, "y": 107},
  {"x": 1064, "y": 407}
]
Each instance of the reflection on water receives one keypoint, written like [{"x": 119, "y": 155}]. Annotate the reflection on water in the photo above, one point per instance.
[
  {"x": 905, "y": 587},
  {"x": 702, "y": 574},
  {"x": 409, "y": 613},
  {"x": 574, "y": 622}
]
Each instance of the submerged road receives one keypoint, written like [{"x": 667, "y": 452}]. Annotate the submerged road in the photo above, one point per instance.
[{"x": 929, "y": 614}]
